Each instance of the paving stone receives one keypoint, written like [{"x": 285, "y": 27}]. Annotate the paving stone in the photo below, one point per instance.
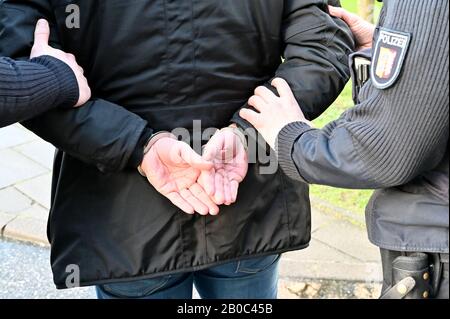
[
  {"x": 330, "y": 289},
  {"x": 349, "y": 239},
  {"x": 5, "y": 219},
  {"x": 330, "y": 270},
  {"x": 27, "y": 229},
  {"x": 320, "y": 261},
  {"x": 12, "y": 201},
  {"x": 16, "y": 168},
  {"x": 36, "y": 211},
  {"x": 38, "y": 188},
  {"x": 320, "y": 219},
  {"x": 284, "y": 292},
  {"x": 296, "y": 287},
  {"x": 15, "y": 135},
  {"x": 318, "y": 251},
  {"x": 39, "y": 151}
]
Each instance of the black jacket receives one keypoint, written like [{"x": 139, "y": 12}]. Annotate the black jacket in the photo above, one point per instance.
[
  {"x": 395, "y": 140},
  {"x": 161, "y": 65},
  {"x": 28, "y": 88}
]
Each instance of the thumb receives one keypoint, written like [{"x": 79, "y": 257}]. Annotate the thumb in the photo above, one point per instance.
[
  {"x": 343, "y": 14},
  {"x": 189, "y": 156},
  {"x": 210, "y": 151},
  {"x": 335, "y": 11},
  {"x": 42, "y": 33}
]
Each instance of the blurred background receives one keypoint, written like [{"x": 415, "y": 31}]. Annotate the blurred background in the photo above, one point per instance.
[{"x": 340, "y": 263}]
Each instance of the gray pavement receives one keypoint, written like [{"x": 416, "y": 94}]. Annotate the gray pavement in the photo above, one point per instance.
[
  {"x": 25, "y": 274},
  {"x": 339, "y": 251}
]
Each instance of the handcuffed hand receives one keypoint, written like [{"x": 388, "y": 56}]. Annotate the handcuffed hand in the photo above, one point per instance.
[
  {"x": 227, "y": 151},
  {"x": 274, "y": 112},
  {"x": 173, "y": 168},
  {"x": 194, "y": 183}
]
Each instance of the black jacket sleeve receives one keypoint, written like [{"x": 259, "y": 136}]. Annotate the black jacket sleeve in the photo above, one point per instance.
[
  {"x": 29, "y": 88},
  {"x": 100, "y": 133},
  {"x": 395, "y": 134},
  {"x": 316, "y": 48}
]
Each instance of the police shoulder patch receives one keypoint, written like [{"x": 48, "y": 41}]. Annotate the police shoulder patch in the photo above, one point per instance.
[{"x": 391, "y": 48}]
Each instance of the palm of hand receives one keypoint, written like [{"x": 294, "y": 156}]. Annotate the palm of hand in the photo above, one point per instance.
[
  {"x": 169, "y": 177},
  {"x": 234, "y": 169},
  {"x": 230, "y": 167},
  {"x": 173, "y": 168}
]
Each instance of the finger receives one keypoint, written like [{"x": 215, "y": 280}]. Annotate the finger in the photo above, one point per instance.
[
  {"x": 189, "y": 156},
  {"x": 42, "y": 33},
  {"x": 226, "y": 191},
  {"x": 251, "y": 116},
  {"x": 201, "y": 195},
  {"x": 234, "y": 187},
  {"x": 219, "y": 196},
  {"x": 85, "y": 93},
  {"x": 212, "y": 149},
  {"x": 229, "y": 150},
  {"x": 198, "y": 206},
  {"x": 283, "y": 88},
  {"x": 178, "y": 201},
  {"x": 206, "y": 180},
  {"x": 267, "y": 95},
  {"x": 343, "y": 14},
  {"x": 258, "y": 103},
  {"x": 336, "y": 11}
]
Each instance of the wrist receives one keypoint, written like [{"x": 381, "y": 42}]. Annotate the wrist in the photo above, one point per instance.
[
  {"x": 137, "y": 156},
  {"x": 239, "y": 133},
  {"x": 150, "y": 143}
]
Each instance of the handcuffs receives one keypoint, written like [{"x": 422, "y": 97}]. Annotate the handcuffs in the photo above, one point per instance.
[{"x": 164, "y": 134}]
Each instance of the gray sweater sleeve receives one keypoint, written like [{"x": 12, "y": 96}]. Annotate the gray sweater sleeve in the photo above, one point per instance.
[
  {"x": 388, "y": 139},
  {"x": 28, "y": 88}
]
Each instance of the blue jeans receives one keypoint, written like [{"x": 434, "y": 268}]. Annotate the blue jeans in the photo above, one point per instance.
[{"x": 255, "y": 278}]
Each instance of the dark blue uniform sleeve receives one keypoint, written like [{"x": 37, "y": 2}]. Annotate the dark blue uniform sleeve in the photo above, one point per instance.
[
  {"x": 29, "y": 88},
  {"x": 395, "y": 134}
]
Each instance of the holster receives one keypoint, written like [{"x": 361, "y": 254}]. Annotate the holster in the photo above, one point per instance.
[{"x": 413, "y": 275}]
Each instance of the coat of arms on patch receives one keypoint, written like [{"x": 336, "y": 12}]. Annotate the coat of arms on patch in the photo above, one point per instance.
[{"x": 390, "y": 52}]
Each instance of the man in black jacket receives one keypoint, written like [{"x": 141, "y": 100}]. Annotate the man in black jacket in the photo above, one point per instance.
[
  {"x": 394, "y": 140},
  {"x": 159, "y": 65},
  {"x": 51, "y": 78}
]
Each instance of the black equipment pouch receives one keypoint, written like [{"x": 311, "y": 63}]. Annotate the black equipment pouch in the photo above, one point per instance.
[
  {"x": 360, "y": 71},
  {"x": 411, "y": 277}
]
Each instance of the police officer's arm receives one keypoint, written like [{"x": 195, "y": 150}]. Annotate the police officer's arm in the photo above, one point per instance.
[
  {"x": 29, "y": 88},
  {"x": 316, "y": 47},
  {"x": 51, "y": 78},
  {"x": 100, "y": 133},
  {"x": 386, "y": 140}
]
